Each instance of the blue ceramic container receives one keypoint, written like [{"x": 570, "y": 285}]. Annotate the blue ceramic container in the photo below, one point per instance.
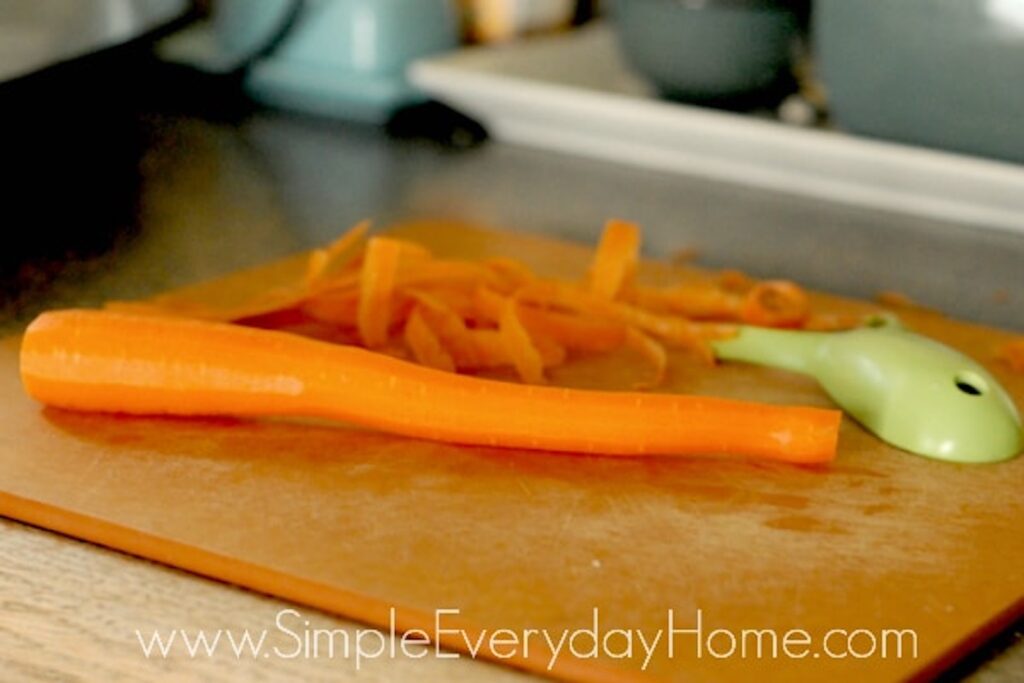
[
  {"x": 344, "y": 58},
  {"x": 708, "y": 50},
  {"x": 939, "y": 73}
]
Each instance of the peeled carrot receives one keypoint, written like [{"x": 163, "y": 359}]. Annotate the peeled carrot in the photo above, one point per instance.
[{"x": 107, "y": 361}]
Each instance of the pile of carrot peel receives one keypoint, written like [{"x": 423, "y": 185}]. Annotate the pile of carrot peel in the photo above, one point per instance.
[{"x": 393, "y": 296}]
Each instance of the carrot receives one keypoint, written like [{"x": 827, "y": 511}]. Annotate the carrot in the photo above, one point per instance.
[
  {"x": 106, "y": 361},
  {"x": 615, "y": 260}
]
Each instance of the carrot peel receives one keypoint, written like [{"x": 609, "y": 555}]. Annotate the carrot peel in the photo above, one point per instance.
[
  {"x": 425, "y": 346},
  {"x": 616, "y": 259},
  {"x": 377, "y": 282},
  {"x": 519, "y": 346}
]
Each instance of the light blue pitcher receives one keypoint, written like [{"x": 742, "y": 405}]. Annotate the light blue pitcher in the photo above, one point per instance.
[{"x": 343, "y": 58}]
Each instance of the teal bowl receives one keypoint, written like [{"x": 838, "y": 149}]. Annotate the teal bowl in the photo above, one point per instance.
[{"x": 709, "y": 51}]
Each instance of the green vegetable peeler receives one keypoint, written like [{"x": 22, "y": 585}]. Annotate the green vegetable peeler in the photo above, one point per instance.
[{"x": 909, "y": 390}]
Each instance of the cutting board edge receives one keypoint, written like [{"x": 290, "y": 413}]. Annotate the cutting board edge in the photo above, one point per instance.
[
  {"x": 370, "y": 611},
  {"x": 959, "y": 651}
]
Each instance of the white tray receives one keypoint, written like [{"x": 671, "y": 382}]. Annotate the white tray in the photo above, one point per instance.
[{"x": 572, "y": 93}]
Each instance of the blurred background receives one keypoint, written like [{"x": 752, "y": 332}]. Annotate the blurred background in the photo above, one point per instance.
[{"x": 152, "y": 142}]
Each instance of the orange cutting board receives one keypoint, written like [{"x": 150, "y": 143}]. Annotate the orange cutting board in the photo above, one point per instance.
[{"x": 358, "y": 523}]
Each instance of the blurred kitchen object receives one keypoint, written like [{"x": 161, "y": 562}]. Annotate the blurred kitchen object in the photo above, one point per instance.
[
  {"x": 940, "y": 73},
  {"x": 35, "y": 34},
  {"x": 338, "y": 58},
  {"x": 71, "y": 77},
  {"x": 490, "y": 21},
  {"x": 715, "y": 52}
]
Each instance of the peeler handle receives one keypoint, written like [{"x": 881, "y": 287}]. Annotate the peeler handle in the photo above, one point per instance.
[{"x": 786, "y": 349}]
